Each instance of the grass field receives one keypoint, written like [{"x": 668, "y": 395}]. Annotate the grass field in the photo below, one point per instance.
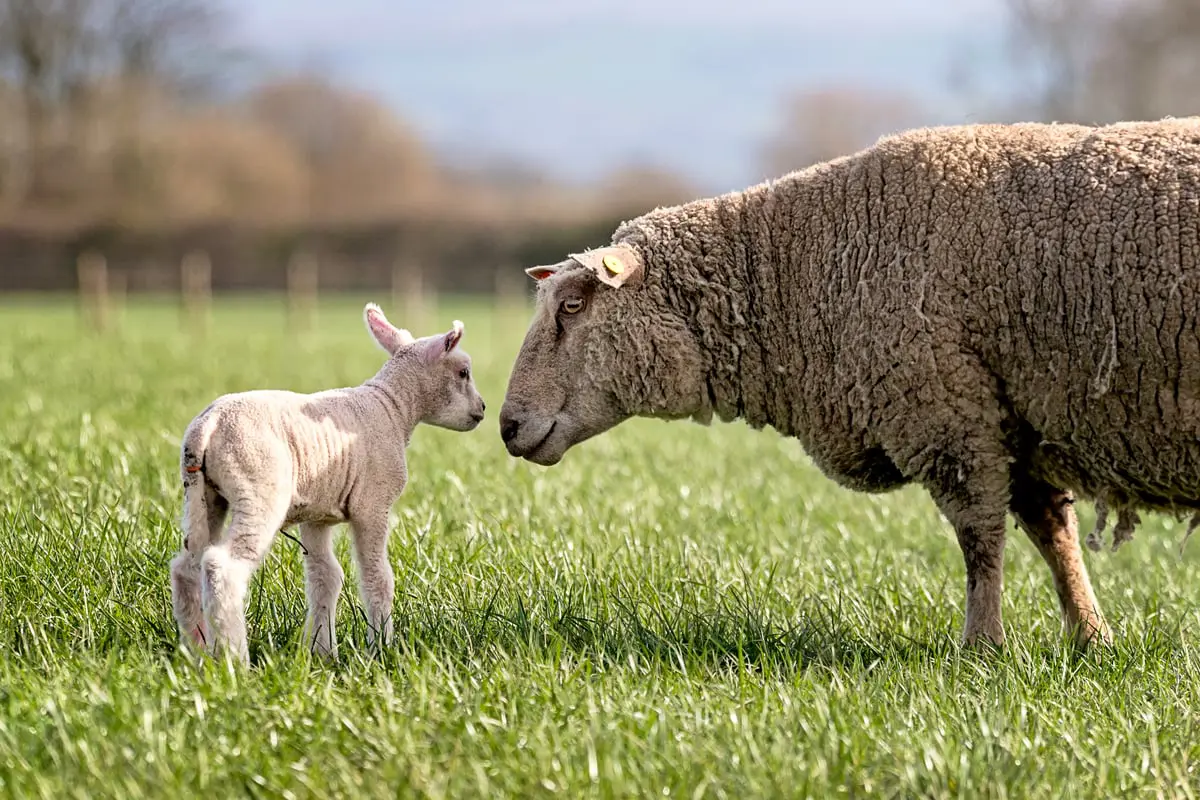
[{"x": 671, "y": 611}]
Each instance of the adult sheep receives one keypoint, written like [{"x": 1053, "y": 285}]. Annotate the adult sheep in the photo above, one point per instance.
[{"x": 1004, "y": 314}]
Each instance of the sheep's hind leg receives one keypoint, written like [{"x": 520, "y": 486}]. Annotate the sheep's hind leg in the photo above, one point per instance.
[
  {"x": 227, "y": 569},
  {"x": 185, "y": 569},
  {"x": 323, "y": 578},
  {"x": 376, "y": 579},
  {"x": 1047, "y": 516}
]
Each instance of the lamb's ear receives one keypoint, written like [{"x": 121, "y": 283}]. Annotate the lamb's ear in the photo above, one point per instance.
[
  {"x": 540, "y": 273},
  {"x": 387, "y": 336},
  {"x": 438, "y": 346},
  {"x": 451, "y": 339},
  {"x": 615, "y": 265}
]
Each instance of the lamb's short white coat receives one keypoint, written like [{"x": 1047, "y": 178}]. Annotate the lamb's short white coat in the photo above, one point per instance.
[{"x": 269, "y": 459}]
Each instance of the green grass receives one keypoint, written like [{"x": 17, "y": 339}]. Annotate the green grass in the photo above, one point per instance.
[{"x": 671, "y": 611}]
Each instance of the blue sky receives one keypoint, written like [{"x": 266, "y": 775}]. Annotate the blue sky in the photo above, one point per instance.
[{"x": 578, "y": 87}]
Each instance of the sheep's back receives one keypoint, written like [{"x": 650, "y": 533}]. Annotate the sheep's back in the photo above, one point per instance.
[{"x": 1082, "y": 295}]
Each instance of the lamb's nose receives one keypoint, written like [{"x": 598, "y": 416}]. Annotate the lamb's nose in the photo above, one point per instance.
[{"x": 508, "y": 429}]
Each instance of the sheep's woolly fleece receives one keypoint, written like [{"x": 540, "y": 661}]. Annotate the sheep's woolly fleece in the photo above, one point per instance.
[{"x": 1033, "y": 289}]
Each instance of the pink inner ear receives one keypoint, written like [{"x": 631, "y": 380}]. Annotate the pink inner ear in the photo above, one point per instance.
[
  {"x": 383, "y": 330},
  {"x": 540, "y": 274}
]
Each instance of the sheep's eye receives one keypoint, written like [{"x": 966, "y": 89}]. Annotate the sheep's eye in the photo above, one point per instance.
[
  {"x": 572, "y": 305},
  {"x": 464, "y": 373}
]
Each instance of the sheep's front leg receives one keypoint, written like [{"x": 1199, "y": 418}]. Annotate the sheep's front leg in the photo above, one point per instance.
[
  {"x": 972, "y": 492},
  {"x": 982, "y": 546},
  {"x": 1048, "y": 518},
  {"x": 323, "y": 578},
  {"x": 376, "y": 579}
]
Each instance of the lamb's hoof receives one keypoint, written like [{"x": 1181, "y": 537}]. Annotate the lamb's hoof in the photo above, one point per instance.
[
  {"x": 325, "y": 655},
  {"x": 195, "y": 641}
]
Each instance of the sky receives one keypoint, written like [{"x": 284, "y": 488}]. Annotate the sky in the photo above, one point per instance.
[{"x": 579, "y": 87}]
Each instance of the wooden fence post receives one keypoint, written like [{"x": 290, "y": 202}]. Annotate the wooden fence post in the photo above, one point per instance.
[
  {"x": 302, "y": 277},
  {"x": 511, "y": 298},
  {"x": 116, "y": 295},
  {"x": 195, "y": 280},
  {"x": 412, "y": 297},
  {"x": 93, "y": 289}
]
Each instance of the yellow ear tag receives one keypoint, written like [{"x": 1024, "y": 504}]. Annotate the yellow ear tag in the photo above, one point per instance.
[{"x": 613, "y": 265}]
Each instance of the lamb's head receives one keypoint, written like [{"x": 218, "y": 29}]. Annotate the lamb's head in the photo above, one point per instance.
[
  {"x": 432, "y": 373},
  {"x": 605, "y": 344}
]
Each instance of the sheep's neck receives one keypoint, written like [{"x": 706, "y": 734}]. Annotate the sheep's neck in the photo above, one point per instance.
[{"x": 752, "y": 259}]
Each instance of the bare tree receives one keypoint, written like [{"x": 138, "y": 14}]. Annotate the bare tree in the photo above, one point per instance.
[
  {"x": 363, "y": 161},
  {"x": 832, "y": 121},
  {"x": 45, "y": 49},
  {"x": 1103, "y": 60},
  {"x": 637, "y": 188},
  {"x": 67, "y": 56}
]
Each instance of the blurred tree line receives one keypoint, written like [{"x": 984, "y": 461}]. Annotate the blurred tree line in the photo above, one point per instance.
[{"x": 140, "y": 128}]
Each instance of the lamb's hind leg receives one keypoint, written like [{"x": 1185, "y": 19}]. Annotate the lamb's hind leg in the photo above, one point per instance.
[
  {"x": 1047, "y": 516},
  {"x": 227, "y": 569},
  {"x": 323, "y": 578},
  {"x": 185, "y": 567}
]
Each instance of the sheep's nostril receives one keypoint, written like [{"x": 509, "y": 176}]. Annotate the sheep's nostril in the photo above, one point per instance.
[
  {"x": 508, "y": 431},
  {"x": 482, "y": 406}
]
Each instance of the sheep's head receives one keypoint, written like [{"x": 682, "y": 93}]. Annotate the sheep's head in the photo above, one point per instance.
[
  {"x": 432, "y": 372},
  {"x": 604, "y": 345}
]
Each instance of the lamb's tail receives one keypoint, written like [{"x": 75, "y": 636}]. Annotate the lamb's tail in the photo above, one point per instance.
[
  {"x": 191, "y": 469},
  {"x": 185, "y": 567}
]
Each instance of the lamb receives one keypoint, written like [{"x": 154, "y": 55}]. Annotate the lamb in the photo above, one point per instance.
[
  {"x": 271, "y": 459},
  {"x": 1006, "y": 315}
]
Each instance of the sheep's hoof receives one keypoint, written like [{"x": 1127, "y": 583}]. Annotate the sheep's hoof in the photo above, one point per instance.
[
  {"x": 1090, "y": 635},
  {"x": 984, "y": 641}
]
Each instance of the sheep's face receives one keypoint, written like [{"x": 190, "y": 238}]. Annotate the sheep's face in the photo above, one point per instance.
[
  {"x": 602, "y": 347},
  {"x": 432, "y": 372}
]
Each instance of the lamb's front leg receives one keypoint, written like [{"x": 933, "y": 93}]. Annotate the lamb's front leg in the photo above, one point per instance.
[
  {"x": 323, "y": 578},
  {"x": 376, "y": 581}
]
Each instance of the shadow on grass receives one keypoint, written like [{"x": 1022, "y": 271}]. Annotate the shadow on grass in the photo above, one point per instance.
[
  {"x": 733, "y": 632},
  {"x": 698, "y": 630}
]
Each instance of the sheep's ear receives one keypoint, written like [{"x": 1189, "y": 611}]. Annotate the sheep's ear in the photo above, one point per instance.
[
  {"x": 540, "y": 273},
  {"x": 615, "y": 266},
  {"x": 387, "y": 336},
  {"x": 438, "y": 346}
]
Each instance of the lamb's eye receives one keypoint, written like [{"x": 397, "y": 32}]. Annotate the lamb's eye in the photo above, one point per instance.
[
  {"x": 572, "y": 305},
  {"x": 464, "y": 373}
]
